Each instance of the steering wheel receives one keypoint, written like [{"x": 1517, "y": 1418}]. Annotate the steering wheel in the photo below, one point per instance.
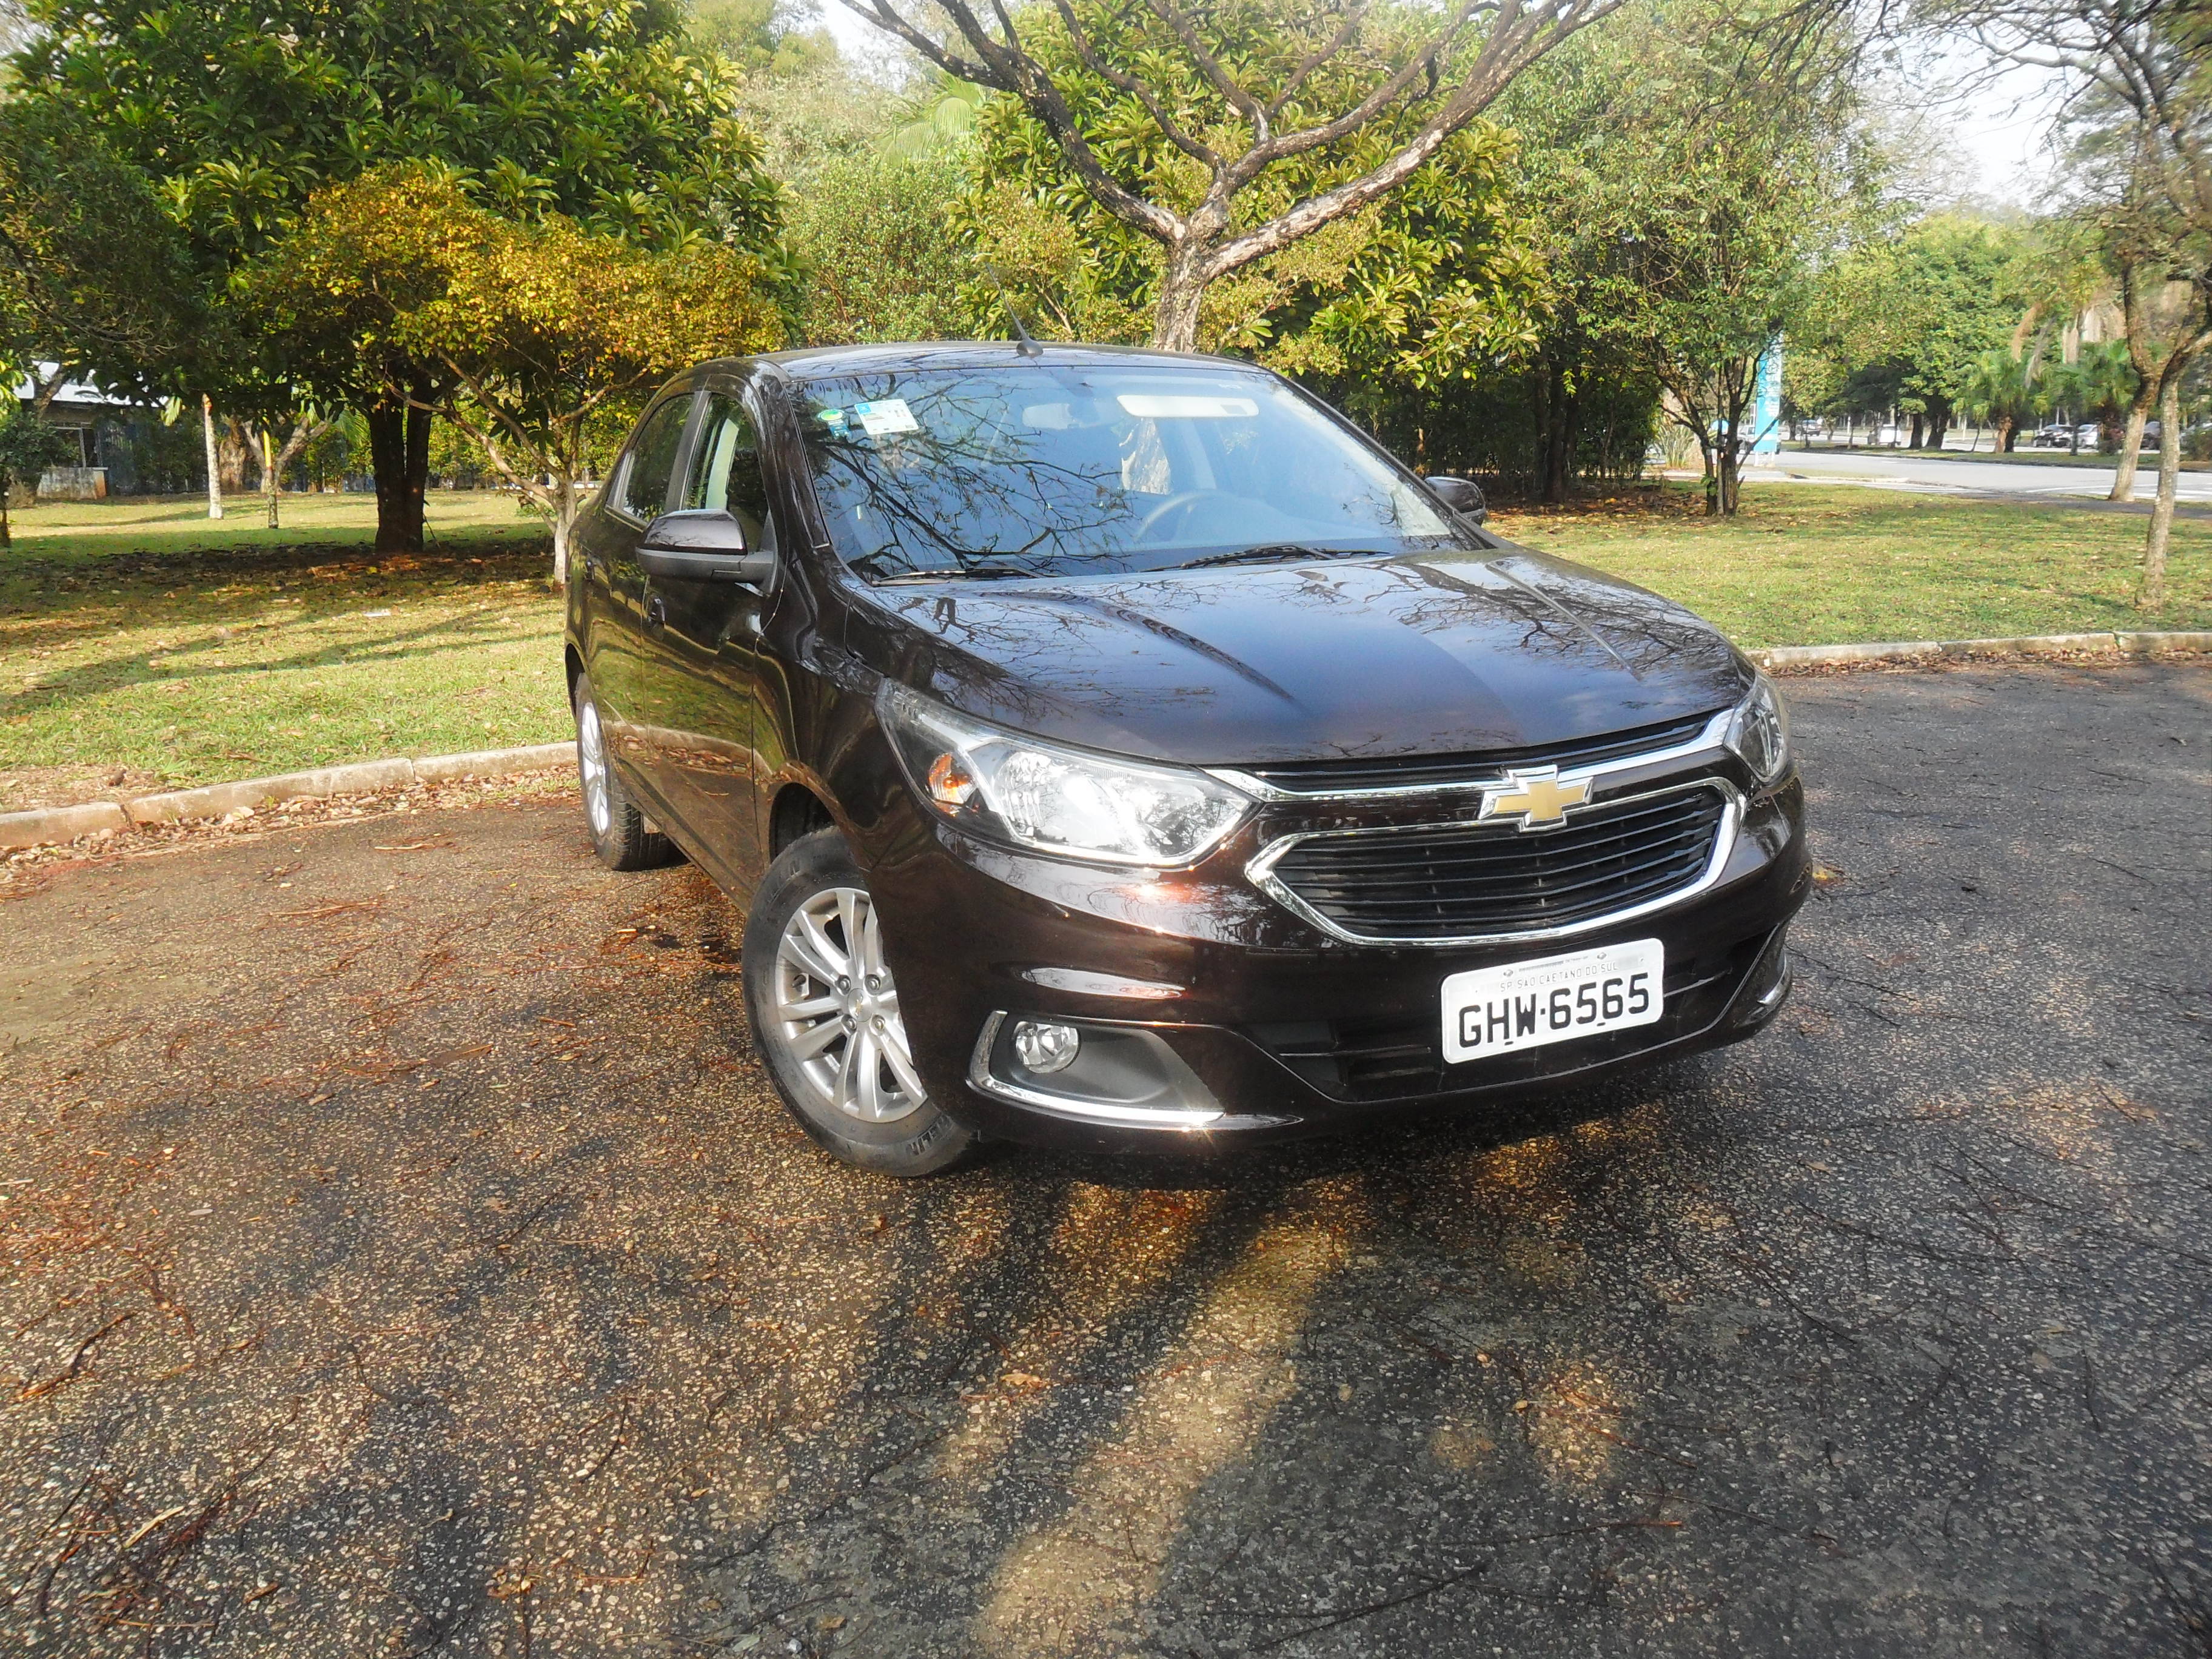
[{"x": 1181, "y": 499}]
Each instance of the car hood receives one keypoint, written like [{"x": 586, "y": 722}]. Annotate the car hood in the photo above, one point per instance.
[{"x": 1431, "y": 653}]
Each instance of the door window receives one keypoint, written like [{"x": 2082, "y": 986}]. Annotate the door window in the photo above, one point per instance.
[
  {"x": 651, "y": 464},
  {"x": 726, "y": 469}
]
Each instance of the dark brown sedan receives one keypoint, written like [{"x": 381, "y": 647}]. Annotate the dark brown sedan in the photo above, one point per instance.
[{"x": 1114, "y": 749}]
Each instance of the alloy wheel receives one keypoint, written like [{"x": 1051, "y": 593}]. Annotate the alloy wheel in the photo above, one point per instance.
[
  {"x": 591, "y": 762},
  {"x": 837, "y": 1010}
]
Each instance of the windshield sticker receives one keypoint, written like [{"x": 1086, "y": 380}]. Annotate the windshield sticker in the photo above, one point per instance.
[
  {"x": 833, "y": 419},
  {"x": 1150, "y": 406},
  {"x": 886, "y": 416}
]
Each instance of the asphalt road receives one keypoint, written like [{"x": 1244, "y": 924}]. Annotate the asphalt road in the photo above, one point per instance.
[
  {"x": 2060, "y": 485},
  {"x": 401, "y": 1254}
]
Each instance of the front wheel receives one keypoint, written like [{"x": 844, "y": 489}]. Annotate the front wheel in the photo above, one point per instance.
[{"x": 826, "y": 1014}]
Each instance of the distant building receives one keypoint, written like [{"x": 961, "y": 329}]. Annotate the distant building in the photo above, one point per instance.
[{"x": 123, "y": 448}]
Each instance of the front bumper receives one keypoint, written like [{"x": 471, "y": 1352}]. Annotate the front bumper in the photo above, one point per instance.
[{"x": 1273, "y": 1027}]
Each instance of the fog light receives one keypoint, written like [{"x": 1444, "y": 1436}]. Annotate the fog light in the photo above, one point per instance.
[{"x": 1044, "y": 1047}]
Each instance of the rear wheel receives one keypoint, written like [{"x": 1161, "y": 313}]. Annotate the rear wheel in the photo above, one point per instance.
[
  {"x": 620, "y": 833},
  {"x": 825, "y": 1013}
]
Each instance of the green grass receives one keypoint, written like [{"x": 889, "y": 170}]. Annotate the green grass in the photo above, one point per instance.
[
  {"x": 139, "y": 638},
  {"x": 1808, "y": 564}
]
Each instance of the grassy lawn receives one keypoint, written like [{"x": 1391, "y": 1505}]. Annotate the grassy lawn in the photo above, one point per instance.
[
  {"x": 1809, "y": 564},
  {"x": 142, "y": 647}
]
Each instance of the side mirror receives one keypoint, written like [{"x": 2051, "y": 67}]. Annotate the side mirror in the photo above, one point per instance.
[
  {"x": 702, "y": 544},
  {"x": 1463, "y": 496}
]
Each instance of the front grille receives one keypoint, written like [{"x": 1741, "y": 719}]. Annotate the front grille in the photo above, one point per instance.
[
  {"x": 1441, "y": 771},
  {"x": 1450, "y": 881}
]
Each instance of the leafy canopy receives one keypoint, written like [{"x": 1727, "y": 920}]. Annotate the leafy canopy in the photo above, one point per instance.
[
  {"x": 541, "y": 335},
  {"x": 240, "y": 109}
]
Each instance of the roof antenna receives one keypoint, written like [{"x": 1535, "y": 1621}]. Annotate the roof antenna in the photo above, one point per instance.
[{"x": 1024, "y": 346}]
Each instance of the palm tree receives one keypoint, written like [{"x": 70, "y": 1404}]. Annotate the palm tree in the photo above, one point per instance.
[{"x": 1999, "y": 392}]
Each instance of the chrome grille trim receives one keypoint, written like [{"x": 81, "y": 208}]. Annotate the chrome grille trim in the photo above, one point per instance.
[
  {"x": 1260, "y": 870},
  {"x": 1709, "y": 743}
]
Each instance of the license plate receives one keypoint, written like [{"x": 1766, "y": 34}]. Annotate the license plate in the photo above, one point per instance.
[{"x": 1526, "y": 1004}]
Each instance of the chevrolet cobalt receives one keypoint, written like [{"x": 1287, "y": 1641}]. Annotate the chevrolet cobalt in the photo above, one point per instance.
[{"x": 1112, "y": 748}]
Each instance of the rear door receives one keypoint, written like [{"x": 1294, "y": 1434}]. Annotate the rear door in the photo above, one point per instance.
[
  {"x": 625, "y": 648},
  {"x": 709, "y": 637}
]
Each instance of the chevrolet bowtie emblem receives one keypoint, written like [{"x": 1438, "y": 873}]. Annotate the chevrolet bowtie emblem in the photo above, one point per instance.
[{"x": 1536, "y": 797}]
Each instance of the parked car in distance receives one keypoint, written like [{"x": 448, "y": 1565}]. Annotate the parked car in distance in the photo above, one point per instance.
[{"x": 1119, "y": 750}]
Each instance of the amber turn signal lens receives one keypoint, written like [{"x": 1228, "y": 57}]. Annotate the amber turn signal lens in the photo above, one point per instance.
[{"x": 950, "y": 784}]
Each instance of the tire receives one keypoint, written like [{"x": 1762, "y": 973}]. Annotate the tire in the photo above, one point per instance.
[
  {"x": 620, "y": 834},
  {"x": 833, "y": 1039}
]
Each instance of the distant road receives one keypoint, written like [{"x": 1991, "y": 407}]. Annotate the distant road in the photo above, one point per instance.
[{"x": 2061, "y": 484}]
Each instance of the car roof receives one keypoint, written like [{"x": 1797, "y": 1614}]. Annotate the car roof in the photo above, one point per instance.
[{"x": 805, "y": 362}]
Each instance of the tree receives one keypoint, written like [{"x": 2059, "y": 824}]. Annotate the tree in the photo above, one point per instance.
[
  {"x": 1740, "y": 164},
  {"x": 760, "y": 36},
  {"x": 94, "y": 279},
  {"x": 2138, "y": 75},
  {"x": 871, "y": 182},
  {"x": 238, "y": 111},
  {"x": 873, "y": 233},
  {"x": 1412, "y": 288},
  {"x": 1898, "y": 322},
  {"x": 1999, "y": 391},
  {"x": 1195, "y": 116},
  {"x": 2099, "y": 383},
  {"x": 29, "y": 444},
  {"x": 540, "y": 336}
]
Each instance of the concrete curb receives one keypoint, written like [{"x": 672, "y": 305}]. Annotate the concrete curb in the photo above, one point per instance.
[
  {"x": 46, "y": 825},
  {"x": 2149, "y": 644}
]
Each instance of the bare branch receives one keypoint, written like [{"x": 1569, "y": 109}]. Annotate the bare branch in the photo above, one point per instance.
[
  {"x": 1126, "y": 83},
  {"x": 1209, "y": 66},
  {"x": 1517, "y": 40}
]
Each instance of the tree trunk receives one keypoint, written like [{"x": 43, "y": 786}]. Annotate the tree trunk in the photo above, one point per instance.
[
  {"x": 1183, "y": 287},
  {"x": 399, "y": 455},
  {"x": 269, "y": 472},
  {"x": 2007, "y": 434},
  {"x": 2152, "y": 595},
  {"x": 1558, "y": 440},
  {"x": 304, "y": 432},
  {"x": 564, "y": 520},
  {"x": 230, "y": 452},
  {"x": 214, "y": 474},
  {"x": 1919, "y": 421},
  {"x": 2124, "y": 473}
]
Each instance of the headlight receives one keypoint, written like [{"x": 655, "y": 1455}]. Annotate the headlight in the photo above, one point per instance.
[
  {"x": 1758, "y": 732},
  {"x": 1038, "y": 794}
]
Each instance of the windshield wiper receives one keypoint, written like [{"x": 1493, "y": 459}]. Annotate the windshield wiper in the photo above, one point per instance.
[
  {"x": 976, "y": 573},
  {"x": 1275, "y": 552}
]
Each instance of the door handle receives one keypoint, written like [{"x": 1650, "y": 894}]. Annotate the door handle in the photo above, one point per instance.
[{"x": 656, "y": 612}]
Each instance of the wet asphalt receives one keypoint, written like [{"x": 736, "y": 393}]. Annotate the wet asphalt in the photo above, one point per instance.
[{"x": 401, "y": 1253}]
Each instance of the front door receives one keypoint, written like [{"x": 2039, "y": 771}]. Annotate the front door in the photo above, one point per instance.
[
  {"x": 710, "y": 650},
  {"x": 624, "y": 645}
]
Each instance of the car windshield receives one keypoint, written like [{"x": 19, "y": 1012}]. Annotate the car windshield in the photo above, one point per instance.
[{"x": 1051, "y": 470}]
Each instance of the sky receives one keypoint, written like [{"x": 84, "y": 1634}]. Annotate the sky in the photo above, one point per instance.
[{"x": 1990, "y": 136}]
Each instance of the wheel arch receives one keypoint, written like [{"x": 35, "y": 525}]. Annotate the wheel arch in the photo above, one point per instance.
[{"x": 797, "y": 810}]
